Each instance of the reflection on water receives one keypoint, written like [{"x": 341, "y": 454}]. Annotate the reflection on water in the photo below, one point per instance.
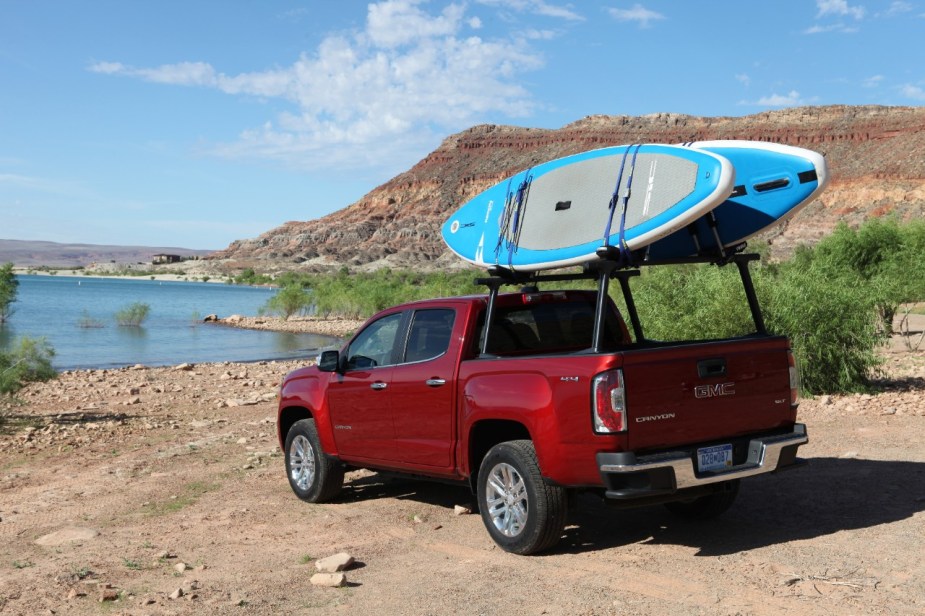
[{"x": 289, "y": 343}]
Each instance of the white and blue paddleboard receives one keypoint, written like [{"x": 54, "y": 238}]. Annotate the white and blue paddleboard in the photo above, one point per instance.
[
  {"x": 559, "y": 213},
  {"x": 773, "y": 182}
]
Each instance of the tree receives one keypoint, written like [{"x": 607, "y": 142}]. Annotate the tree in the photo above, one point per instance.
[{"x": 8, "y": 289}]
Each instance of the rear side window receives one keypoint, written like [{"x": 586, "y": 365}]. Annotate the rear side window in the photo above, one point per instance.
[
  {"x": 551, "y": 327},
  {"x": 429, "y": 336}
]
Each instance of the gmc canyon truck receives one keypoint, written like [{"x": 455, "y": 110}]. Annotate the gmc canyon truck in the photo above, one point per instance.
[{"x": 532, "y": 396}]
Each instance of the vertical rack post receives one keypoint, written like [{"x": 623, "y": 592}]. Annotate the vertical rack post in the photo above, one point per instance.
[
  {"x": 604, "y": 271},
  {"x": 493, "y": 285},
  {"x": 750, "y": 295},
  {"x": 631, "y": 304}
]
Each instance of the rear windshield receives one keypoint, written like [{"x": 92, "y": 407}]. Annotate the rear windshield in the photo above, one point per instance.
[{"x": 550, "y": 327}]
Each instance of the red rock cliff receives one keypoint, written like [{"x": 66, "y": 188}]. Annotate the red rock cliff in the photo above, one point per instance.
[{"x": 876, "y": 156}]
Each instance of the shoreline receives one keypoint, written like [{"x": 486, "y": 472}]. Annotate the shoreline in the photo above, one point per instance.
[
  {"x": 338, "y": 327},
  {"x": 163, "y": 277}
]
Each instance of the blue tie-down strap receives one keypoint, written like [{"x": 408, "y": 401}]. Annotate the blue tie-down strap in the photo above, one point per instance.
[
  {"x": 625, "y": 256},
  {"x": 514, "y": 207}
]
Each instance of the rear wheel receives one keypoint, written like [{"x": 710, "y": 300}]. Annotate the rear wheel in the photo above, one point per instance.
[
  {"x": 313, "y": 476},
  {"x": 706, "y": 507},
  {"x": 522, "y": 513}
]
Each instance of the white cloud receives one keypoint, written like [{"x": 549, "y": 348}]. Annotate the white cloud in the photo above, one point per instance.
[
  {"x": 790, "y": 99},
  {"x": 831, "y": 28},
  {"x": 744, "y": 79},
  {"x": 536, "y": 7},
  {"x": 899, "y": 8},
  {"x": 18, "y": 180},
  {"x": 637, "y": 13},
  {"x": 840, "y": 8},
  {"x": 400, "y": 22},
  {"x": 379, "y": 97},
  {"x": 781, "y": 100},
  {"x": 873, "y": 82},
  {"x": 913, "y": 92},
  {"x": 543, "y": 35}
]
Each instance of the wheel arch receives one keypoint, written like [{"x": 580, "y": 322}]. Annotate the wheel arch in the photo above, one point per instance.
[
  {"x": 487, "y": 433},
  {"x": 287, "y": 417}
]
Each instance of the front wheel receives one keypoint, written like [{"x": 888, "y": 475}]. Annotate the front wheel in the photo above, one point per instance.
[
  {"x": 313, "y": 476},
  {"x": 522, "y": 513}
]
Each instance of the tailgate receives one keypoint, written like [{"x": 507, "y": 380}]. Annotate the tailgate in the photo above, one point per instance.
[{"x": 682, "y": 395}]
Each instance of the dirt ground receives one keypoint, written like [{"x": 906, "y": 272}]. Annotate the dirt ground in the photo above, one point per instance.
[{"x": 162, "y": 491}]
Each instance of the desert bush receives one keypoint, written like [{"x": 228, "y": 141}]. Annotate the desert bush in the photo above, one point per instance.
[
  {"x": 88, "y": 322},
  {"x": 829, "y": 317},
  {"x": 9, "y": 287},
  {"x": 832, "y": 324},
  {"x": 27, "y": 361},
  {"x": 691, "y": 302},
  {"x": 249, "y": 276},
  {"x": 885, "y": 256},
  {"x": 133, "y": 315},
  {"x": 290, "y": 300},
  {"x": 363, "y": 294}
]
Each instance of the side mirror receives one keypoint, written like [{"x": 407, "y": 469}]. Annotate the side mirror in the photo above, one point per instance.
[{"x": 329, "y": 361}]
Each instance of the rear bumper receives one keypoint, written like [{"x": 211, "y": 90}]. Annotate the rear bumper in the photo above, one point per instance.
[{"x": 628, "y": 477}]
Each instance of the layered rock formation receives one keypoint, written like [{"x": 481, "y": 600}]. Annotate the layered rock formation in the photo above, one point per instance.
[{"x": 876, "y": 157}]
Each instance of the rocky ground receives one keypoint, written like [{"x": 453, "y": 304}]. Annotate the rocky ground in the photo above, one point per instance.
[{"x": 162, "y": 491}]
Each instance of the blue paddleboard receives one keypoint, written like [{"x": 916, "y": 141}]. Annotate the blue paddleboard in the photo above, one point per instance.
[
  {"x": 773, "y": 182},
  {"x": 560, "y": 212}
]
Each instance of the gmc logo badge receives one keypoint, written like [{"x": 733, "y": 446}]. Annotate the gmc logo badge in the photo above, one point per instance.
[{"x": 712, "y": 391}]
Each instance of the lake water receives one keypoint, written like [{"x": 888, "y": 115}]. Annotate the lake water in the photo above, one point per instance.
[{"x": 56, "y": 307}]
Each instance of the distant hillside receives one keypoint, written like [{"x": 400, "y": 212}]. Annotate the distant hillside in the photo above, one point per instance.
[
  {"x": 35, "y": 254},
  {"x": 876, "y": 157}
]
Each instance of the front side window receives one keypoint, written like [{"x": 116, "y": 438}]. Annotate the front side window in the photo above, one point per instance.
[
  {"x": 374, "y": 345},
  {"x": 430, "y": 334}
]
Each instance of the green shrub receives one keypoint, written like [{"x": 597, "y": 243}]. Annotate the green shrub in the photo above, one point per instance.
[
  {"x": 249, "y": 276},
  {"x": 27, "y": 361},
  {"x": 829, "y": 315},
  {"x": 691, "y": 302},
  {"x": 832, "y": 325},
  {"x": 886, "y": 256},
  {"x": 363, "y": 294},
  {"x": 133, "y": 315},
  {"x": 289, "y": 300},
  {"x": 88, "y": 322},
  {"x": 9, "y": 286}
]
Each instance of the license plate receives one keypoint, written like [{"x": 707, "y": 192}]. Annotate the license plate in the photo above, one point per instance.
[{"x": 716, "y": 458}]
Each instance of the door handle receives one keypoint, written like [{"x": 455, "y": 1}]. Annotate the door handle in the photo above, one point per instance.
[
  {"x": 435, "y": 382},
  {"x": 378, "y": 385}
]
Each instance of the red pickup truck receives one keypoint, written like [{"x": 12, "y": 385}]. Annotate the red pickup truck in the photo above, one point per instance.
[{"x": 555, "y": 395}]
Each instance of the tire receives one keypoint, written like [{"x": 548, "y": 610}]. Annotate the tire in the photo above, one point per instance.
[
  {"x": 523, "y": 514},
  {"x": 706, "y": 507},
  {"x": 313, "y": 476}
]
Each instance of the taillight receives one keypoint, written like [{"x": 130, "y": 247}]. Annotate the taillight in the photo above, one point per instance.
[
  {"x": 609, "y": 399},
  {"x": 794, "y": 379}
]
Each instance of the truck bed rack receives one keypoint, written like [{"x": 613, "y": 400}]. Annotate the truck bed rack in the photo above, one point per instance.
[{"x": 611, "y": 266}]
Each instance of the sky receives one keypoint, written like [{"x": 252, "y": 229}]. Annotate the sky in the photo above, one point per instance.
[{"x": 193, "y": 124}]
